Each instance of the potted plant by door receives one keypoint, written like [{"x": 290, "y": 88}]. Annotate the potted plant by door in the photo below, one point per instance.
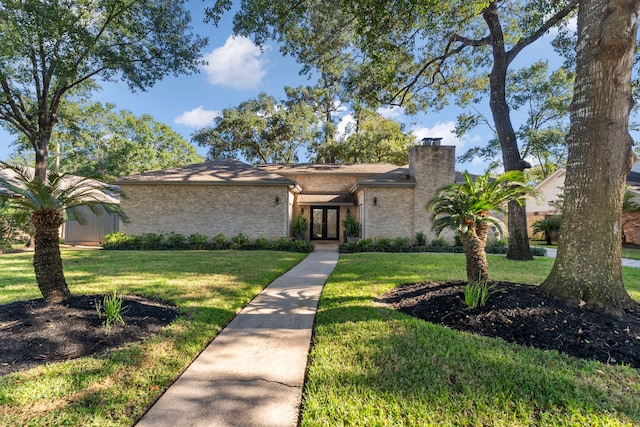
[
  {"x": 351, "y": 228},
  {"x": 299, "y": 227}
]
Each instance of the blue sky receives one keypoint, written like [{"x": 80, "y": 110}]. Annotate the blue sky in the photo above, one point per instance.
[{"x": 238, "y": 70}]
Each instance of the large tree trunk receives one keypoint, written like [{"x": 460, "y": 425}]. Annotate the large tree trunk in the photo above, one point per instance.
[
  {"x": 47, "y": 261},
  {"x": 588, "y": 266},
  {"x": 518, "y": 247}
]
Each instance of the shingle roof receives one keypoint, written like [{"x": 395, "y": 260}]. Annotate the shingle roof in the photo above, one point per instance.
[
  {"x": 396, "y": 177},
  {"x": 226, "y": 171},
  {"x": 337, "y": 169}
]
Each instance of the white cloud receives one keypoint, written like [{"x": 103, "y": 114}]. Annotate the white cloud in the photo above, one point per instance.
[
  {"x": 197, "y": 118},
  {"x": 442, "y": 130},
  {"x": 237, "y": 64},
  {"x": 346, "y": 124},
  {"x": 393, "y": 113}
]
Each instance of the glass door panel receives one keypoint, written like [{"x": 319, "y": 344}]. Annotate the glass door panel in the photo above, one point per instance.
[
  {"x": 332, "y": 224},
  {"x": 325, "y": 223},
  {"x": 317, "y": 222}
]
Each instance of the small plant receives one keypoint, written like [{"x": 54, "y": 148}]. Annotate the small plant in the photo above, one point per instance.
[
  {"x": 351, "y": 226},
  {"x": 111, "y": 308},
  {"x": 299, "y": 227},
  {"x": 421, "y": 239},
  {"x": 477, "y": 293}
]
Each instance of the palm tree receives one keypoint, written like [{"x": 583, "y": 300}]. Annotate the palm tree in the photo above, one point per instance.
[
  {"x": 49, "y": 203},
  {"x": 547, "y": 226},
  {"x": 467, "y": 209}
]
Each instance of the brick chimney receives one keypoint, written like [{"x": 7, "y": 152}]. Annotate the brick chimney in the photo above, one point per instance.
[{"x": 433, "y": 166}]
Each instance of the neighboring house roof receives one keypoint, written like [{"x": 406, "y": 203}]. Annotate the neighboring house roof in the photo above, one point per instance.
[{"x": 226, "y": 171}]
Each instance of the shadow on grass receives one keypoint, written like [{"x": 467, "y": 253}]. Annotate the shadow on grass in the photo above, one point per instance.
[{"x": 413, "y": 370}]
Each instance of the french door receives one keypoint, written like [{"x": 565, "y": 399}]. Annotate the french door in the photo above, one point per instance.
[{"x": 325, "y": 223}]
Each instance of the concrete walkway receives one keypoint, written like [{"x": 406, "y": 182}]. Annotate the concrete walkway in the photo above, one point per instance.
[
  {"x": 626, "y": 262},
  {"x": 252, "y": 373}
]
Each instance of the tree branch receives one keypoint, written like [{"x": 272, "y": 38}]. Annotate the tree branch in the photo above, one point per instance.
[
  {"x": 546, "y": 26},
  {"x": 437, "y": 61}
]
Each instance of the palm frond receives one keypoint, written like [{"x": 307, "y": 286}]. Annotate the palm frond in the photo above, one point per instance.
[{"x": 65, "y": 194}]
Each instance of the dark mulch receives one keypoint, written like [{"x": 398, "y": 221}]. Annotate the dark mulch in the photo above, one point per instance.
[
  {"x": 521, "y": 314},
  {"x": 33, "y": 333}
]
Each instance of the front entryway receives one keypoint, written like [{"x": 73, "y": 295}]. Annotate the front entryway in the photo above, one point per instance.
[{"x": 325, "y": 222}]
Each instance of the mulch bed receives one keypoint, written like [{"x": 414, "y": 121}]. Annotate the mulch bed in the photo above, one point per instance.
[
  {"x": 521, "y": 314},
  {"x": 33, "y": 333}
]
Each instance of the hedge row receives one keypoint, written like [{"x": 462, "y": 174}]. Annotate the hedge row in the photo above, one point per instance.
[
  {"x": 173, "y": 241},
  {"x": 402, "y": 244}
]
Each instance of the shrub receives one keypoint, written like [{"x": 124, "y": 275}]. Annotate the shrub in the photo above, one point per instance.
[
  {"x": 240, "y": 242},
  {"x": 401, "y": 243},
  {"x": 535, "y": 251},
  {"x": 301, "y": 246},
  {"x": 366, "y": 243},
  {"x": 421, "y": 239},
  {"x": 262, "y": 243},
  {"x": 299, "y": 226},
  {"x": 220, "y": 242},
  {"x": 383, "y": 244},
  {"x": 197, "y": 241},
  {"x": 439, "y": 241},
  {"x": 351, "y": 226},
  {"x": 176, "y": 241},
  {"x": 152, "y": 241},
  {"x": 497, "y": 246}
]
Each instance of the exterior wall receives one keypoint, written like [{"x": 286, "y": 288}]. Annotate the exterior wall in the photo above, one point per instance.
[
  {"x": 548, "y": 191},
  {"x": 433, "y": 167},
  {"x": 92, "y": 233},
  {"x": 631, "y": 227},
  {"x": 207, "y": 209},
  {"x": 392, "y": 213}
]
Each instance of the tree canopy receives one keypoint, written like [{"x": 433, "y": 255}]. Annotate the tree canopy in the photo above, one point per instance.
[
  {"x": 93, "y": 139},
  {"x": 48, "y": 48},
  {"x": 261, "y": 130},
  {"x": 414, "y": 53}
]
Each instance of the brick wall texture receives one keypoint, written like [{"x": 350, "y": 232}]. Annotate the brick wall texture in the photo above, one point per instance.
[
  {"x": 631, "y": 227},
  {"x": 206, "y": 209},
  {"x": 230, "y": 209}
]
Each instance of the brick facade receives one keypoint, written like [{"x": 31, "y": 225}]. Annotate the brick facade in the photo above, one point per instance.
[
  {"x": 207, "y": 209},
  {"x": 631, "y": 227},
  {"x": 433, "y": 167},
  {"x": 230, "y": 197},
  {"x": 388, "y": 212}
]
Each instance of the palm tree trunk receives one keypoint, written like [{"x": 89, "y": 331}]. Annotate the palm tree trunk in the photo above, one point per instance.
[
  {"x": 474, "y": 250},
  {"x": 47, "y": 261}
]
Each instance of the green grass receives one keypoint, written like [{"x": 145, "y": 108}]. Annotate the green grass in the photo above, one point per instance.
[
  {"x": 632, "y": 253},
  {"x": 373, "y": 366},
  {"x": 115, "y": 388}
]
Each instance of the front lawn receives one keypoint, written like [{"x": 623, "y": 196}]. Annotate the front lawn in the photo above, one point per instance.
[
  {"x": 373, "y": 366},
  {"x": 208, "y": 287}
]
